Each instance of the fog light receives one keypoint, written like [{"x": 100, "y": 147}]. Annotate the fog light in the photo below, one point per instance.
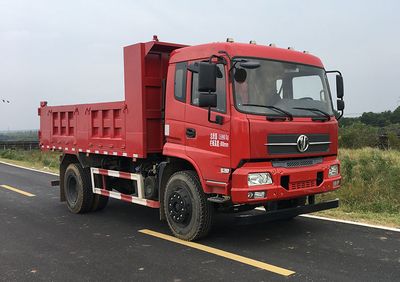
[
  {"x": 259, "y": 179},
  {"x": 336, "y": 183},
  {"x": 333, "y": 170},
  {"x": 256, "y": 195},
  {"x": 259, "y": 194}
]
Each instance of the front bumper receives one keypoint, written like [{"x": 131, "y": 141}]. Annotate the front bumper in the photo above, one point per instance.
[
  {"x": 301, "y": 181},
  {"x": 260, "y": 217}
]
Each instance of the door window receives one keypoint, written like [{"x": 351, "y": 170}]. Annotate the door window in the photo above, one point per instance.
[{"x": 180, "y": 82}]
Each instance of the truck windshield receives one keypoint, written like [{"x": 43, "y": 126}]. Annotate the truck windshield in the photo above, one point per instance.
[{"x": 299, "y": 90}]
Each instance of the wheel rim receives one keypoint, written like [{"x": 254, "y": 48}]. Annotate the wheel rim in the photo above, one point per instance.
[
  {"x": 72, "y": 190},
  {"x": 179, "y": 207}
]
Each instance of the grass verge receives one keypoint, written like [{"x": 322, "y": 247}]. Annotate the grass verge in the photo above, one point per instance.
[
  {"x": 370, "y": 190},
  {"x": 45, "y": 161}
]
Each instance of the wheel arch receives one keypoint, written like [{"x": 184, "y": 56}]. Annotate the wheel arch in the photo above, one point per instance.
[{"x": 167, "y": 169}]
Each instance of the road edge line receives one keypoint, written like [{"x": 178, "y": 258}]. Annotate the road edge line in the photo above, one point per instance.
[
  {"x": 345, "y": 221},
  {"x": 351, "y": 222},
  {"x": 28, "y": 168}
]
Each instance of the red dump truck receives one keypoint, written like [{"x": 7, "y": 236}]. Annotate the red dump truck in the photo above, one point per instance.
[{"x": 219, "y": 127}]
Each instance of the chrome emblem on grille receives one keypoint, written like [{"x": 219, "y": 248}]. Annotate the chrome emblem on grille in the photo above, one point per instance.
[{"x": 302, "y": 143}]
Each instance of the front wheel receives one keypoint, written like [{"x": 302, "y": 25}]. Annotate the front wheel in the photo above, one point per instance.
[{"x": 189, "y": 214}]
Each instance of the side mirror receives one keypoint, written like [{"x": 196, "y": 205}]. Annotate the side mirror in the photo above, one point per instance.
[
  {"x": 207, "y": 77},
  {"x": 339, "y": 86},
  {"x": 340, "y": 105},
  {"x": 207, "y": 100}
]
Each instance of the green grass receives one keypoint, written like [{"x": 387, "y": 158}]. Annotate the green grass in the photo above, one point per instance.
[
  {"x": 384, "y": 219},
  {"x": 47, "y": 161},
  {"x": 370, "y": 189}
]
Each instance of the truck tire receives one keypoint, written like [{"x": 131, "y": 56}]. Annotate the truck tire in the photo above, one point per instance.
[
  {"x": 99, "y": 202},
  {"x": 189, "y": 214},
  {"x": 77, "y": 188}
]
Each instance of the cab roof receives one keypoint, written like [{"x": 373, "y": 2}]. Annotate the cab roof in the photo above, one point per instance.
[{"x": 202, "y": 51}]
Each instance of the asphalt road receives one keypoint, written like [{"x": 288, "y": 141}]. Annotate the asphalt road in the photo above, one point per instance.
[{"x": 41, "y": 240}]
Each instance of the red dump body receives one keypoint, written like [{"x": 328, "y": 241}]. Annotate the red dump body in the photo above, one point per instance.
[{"x": 130, "y": 128}]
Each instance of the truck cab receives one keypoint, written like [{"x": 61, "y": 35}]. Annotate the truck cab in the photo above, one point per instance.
[{"x": 270, "y": 132}]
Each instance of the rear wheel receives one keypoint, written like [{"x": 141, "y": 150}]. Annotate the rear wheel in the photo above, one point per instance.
[
  {"x": 77, "y": 189},
  {"x": 187, "y": 210}
]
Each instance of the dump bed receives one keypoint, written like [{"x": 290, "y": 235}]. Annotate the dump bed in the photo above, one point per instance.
[{"x": 131, "y": 128}]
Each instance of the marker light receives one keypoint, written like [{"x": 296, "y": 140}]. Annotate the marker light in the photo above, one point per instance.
[
  {"x": 259, "y": 179},
  {"x": 333, "y": 170}
]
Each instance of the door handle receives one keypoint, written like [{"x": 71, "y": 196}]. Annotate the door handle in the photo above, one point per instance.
[{"x": 190, "y": 132}]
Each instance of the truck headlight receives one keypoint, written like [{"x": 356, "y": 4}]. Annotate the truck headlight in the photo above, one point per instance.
[
  {"x": 333, "y": 170},
  {"x": 259, "y": 178}
]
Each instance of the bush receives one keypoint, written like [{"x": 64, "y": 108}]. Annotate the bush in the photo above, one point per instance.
[
  {"x": 393, "y": 141},
  {"x": 358, "y": 135},
  {"x": 11, "y": 155}
]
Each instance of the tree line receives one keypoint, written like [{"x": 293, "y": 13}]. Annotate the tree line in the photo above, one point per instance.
[
  {"x": 26, "y": 135},
  {"x": 383, "y": 119},
  {"x": 380, "y": 130}
]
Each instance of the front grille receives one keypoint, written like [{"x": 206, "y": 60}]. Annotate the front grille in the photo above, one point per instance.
[
  {"x": 296, "y": 162},
  {"x": 287, "y": 143},
  {"x": 302, "y": 184}
]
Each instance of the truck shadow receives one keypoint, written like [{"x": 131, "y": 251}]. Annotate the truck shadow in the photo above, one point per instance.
[{"x": 226, "y": 227}]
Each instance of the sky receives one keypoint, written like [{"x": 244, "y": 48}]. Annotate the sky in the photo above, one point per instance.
[{"x": 68, "y": 52}]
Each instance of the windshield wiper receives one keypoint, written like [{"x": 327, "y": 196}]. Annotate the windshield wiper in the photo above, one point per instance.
[
  {"x": 287, "y": 114},
  {"x": 325, "y": 114}
]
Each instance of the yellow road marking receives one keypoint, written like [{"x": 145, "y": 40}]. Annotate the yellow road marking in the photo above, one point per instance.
[
  {"x": 221, "y": 253},
  {"x": 17, "y": 190}
]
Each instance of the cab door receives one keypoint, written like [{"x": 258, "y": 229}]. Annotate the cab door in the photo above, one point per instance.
[{"x": 208, "y": 143}]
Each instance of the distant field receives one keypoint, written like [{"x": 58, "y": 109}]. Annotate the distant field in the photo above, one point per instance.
[{"x": 370, "y": 189}]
